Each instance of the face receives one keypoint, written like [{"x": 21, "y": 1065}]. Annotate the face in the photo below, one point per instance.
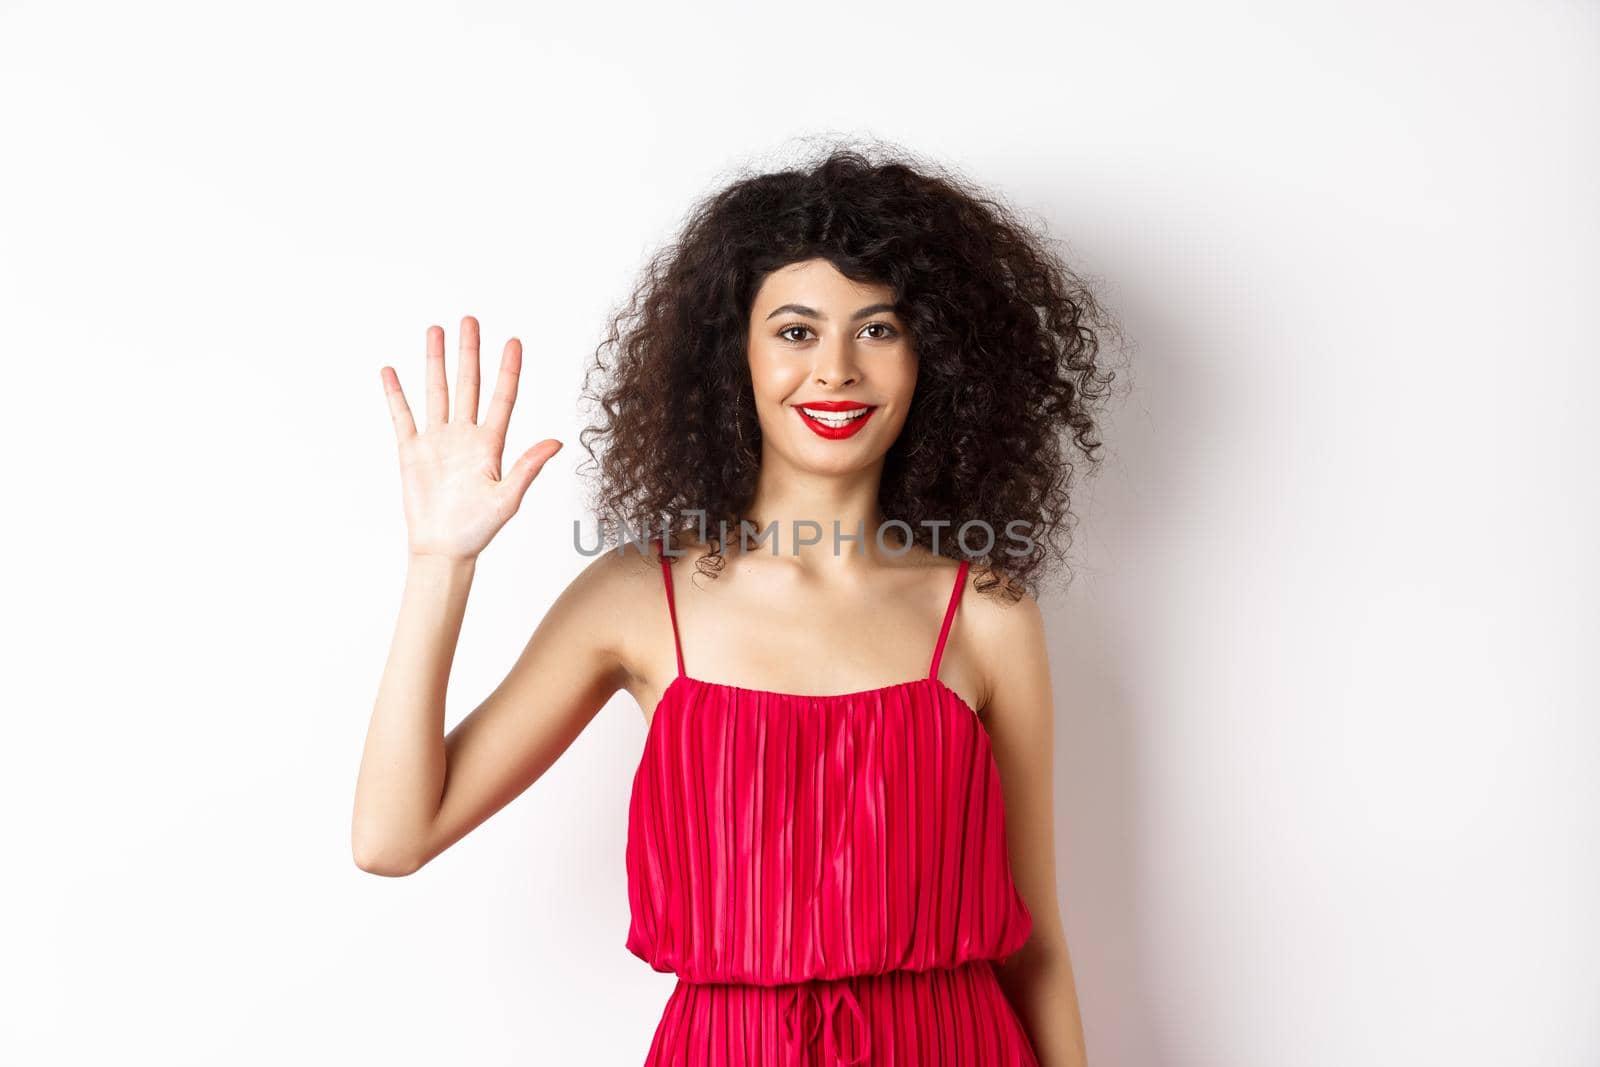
[{"x": 832, "y": 368}]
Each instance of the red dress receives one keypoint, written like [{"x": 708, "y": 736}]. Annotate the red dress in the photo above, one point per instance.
[{"x": 827, "y": 875}]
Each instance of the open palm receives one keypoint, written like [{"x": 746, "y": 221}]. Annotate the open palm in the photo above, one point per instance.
[{"x": 456, "y": 498}]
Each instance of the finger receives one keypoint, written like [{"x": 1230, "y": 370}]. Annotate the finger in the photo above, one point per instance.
[
  {"x": 438, "y": 391},
  {"x": 528, "y": 466},
  {"x": 505, "y": 388},
  {"x": 467, "y": 373},
  {"x": 405, "y": 427}
]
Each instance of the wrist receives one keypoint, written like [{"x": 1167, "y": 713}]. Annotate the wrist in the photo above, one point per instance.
[{"x": 440, "y": 562}]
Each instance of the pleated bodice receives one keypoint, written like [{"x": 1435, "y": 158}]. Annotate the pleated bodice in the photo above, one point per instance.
[{"x": 777, "y": 838}]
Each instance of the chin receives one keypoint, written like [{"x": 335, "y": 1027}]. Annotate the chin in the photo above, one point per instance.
[{"x": 828, "y": 457}]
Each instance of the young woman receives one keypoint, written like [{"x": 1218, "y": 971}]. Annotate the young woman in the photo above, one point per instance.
[{"x": 853, "y": 397}]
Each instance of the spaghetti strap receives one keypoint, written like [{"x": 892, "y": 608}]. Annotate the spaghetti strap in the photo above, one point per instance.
[
  {"x": 672, "y": 610},
  {"x": 949, "y": 616}
]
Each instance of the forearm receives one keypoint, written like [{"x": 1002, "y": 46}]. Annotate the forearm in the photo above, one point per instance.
[
  {"x": 403, "y": 763},
  {"x": 1042, "y": 991}
]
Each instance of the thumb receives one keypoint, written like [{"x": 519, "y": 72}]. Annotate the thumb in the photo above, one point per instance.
[{"x": 527, "y": 467}]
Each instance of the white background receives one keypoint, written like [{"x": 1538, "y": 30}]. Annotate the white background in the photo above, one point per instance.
[{"x": 1326, "y": 685}]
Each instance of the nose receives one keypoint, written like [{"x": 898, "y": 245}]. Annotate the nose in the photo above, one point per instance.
[{"x": 836, "y": 366}]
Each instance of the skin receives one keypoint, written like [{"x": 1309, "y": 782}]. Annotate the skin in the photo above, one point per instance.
[{"x": 871, "y": 618}]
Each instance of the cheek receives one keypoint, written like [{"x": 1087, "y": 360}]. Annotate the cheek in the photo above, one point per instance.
[
  {"x": 773, "y": 380},
  {"x": 905, "y": 380}
]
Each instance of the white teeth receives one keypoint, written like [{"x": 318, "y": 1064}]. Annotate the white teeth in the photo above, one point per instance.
[{"x": 835, "y": 418}]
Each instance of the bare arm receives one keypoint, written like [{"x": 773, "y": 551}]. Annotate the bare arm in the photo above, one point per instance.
[
  {"x": 403, "y": 762},
  {"x": 418, "y": 791},
  {"x": 442, "y": 787},
  {"x": 1020, "y": 716}
]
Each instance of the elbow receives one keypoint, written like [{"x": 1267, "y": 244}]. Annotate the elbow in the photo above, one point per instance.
[
  {"x": 388, "y": 861},
  {"x": 386, "y": 867}
]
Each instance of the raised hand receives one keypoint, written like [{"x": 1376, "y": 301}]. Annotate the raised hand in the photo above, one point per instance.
[{"x": 455, "y": 496}]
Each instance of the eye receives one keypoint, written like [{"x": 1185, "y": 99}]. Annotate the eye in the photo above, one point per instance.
[{"x": 889, "y": 331}]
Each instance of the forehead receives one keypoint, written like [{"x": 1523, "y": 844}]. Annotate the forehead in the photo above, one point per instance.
[{"x": 816, "y": 282}]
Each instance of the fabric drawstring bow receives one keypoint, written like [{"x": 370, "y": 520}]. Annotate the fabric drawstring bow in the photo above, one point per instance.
[{"x": 825, "y": 1003}]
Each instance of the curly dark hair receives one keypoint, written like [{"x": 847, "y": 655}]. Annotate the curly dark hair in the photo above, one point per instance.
[{"x": 1008, "y": 342}]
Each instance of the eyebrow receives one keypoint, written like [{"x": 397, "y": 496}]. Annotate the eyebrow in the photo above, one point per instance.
[{"x": 801, "y": 309}]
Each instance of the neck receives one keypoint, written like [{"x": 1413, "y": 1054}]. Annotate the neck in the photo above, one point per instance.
[{"x": 805, "y": 506}]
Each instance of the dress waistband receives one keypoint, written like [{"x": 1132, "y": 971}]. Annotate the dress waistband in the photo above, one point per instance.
[{"x": 825, "y": 1003}]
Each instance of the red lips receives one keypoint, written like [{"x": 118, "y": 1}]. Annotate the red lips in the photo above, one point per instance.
[{"x": 842, "y": 430}]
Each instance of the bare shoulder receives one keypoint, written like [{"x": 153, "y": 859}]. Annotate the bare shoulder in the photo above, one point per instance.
[
  {"x": 608, "y": 579},
  {"x": 998, "y": 616},
  {"x": 614, "y": 594},
  {"x": 1005, "y": 628}
]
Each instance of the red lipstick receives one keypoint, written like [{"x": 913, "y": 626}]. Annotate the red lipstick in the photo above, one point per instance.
[{"x": 842, "y": 418}]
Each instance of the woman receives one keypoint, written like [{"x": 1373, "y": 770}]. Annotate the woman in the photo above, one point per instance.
[{"x": 845, "y": 393}]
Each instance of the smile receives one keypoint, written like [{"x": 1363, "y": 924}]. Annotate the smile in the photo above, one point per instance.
[{"x": 835, "y": 420}]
